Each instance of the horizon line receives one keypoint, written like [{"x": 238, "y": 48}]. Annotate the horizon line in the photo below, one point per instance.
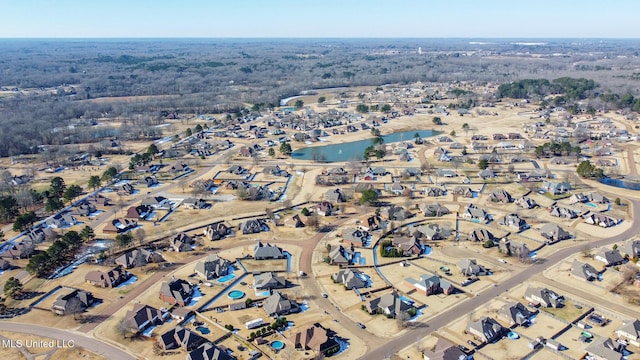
[{"x": 311, "y": 38}]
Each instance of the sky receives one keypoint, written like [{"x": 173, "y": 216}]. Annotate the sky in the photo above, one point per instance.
[{"x": 319, "y": 19}]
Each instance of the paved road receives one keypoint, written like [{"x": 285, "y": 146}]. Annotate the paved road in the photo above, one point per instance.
[
  {"x": 394, "y": 346},
  {"x": 91, "y": 344}
]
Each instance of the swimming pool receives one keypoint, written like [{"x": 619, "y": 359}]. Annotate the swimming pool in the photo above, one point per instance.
[
  {"x": 235, "y": 294},
  {"x": 591, "y": 204},
  {"x": 226, "y": 278},
  {"x": 277, "y": 345}
]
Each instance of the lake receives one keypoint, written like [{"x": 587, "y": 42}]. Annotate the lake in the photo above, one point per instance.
[
  {"x": 346, "y": 151},
  {"x": 622, "y": 183}
]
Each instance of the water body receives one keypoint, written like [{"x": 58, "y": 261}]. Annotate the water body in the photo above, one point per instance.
[
  {"x": 622, "y": 183},
  {"x": 353, "y": 150}
]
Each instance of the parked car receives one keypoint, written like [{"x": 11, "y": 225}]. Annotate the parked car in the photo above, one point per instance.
[
  {"x": 361, "y": 325},
  {"x": 463, "y": 348},
  {"x": 324, "y": 295},
  {"x": 470, "y": 342}
]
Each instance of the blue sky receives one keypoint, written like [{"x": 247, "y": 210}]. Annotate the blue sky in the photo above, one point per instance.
[{"x": 325, "y": 18}]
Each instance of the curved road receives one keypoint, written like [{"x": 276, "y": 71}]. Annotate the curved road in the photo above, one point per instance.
[
  {"x": 394, "y": 346},
  {"x": 79, "y": 340}
]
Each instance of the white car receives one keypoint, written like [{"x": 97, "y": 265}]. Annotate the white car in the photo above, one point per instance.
[{"x": 324, "y": 295}]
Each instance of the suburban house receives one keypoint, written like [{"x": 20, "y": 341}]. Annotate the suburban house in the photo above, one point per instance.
[
  {"x": 338, "y": 255},
  {"x": 99, "y": 200},
  {"x": 394, "y": 212},
  {"x": 409, "y": 246},
  {"x": 600, "y": 220},
  {"x": 41, "y": 234},
  {"x": 631, "y": 248},
  {"x": 463, "y": 191},
  {"x": 141, "y": 317},
  {"x": 4, "y": 264},
  {"x": 254, "y": 226},
  {"x": 111, "y": 278},
  {"x": 486, "y": 174},
  {"x": 212, "y": 267},
  {"x": 176, "y": 292},
  {"x": 501, "y": 196},
  {"x": 597, "y": 198},
  {"x": 446, "y": 173},
  {"x": 372, "y": 223},
  {"x": 562, "y": 212},
  {"x": 315, "y": 338},
  {"x": 525, "y": 202},
  {"x": 444, "y": 350},
  {"x": 294, "y": 221},
  {"x": 181, "y": 243},
  {"x": 514, "y": 222},
  {"x": 267, "y": 251},
  {"x": 470, "y": 267},
  {"x": 433, "y": 192},
  {"x": 279, "y": 304},
  {"x": 584, "y": 271},
  {"x": 216, "y": 231},
  {"x": 139, "y": 212},
  {"x": 513, "y": 248},
  {"x": 604, "y": 349},
  {"x": 209, "y": 351},
  {"x": 474, "y": 213},
  {"x": 396, "y": 189},
  {"x": 556, "y": 188},
  {"x": 21, "y": 250},
  {"x": 269, "y": 281},
  {"x": 194, "y": 204},
  {"x": 350, "y": 278},
  {"x": 429, "y": 232},
  {"x": 515, "y": 313},
  {"x": 180, "y": 338},
  {"x": 553, "y": 232},
  {"x": 609, "y": 257},
  {"x": 126, "y": 189},
  {"x": 389, "y": 305},
  {"x": 630, "y": 332},
  {"x": 324, "y": 208},
  {"x": 433, "y": 209},
  {"x": 480, "y": 235},
  {"x": 335, "y": 196},
  {"x": 157, "y": 202},
  {"x": 75, "y": 300},
  {"x": 138, "y": 257},
  {"x": 85, "y": 209},
  {"x": 429, "y": 284},
  {"x": 118, "y": 226},
  {"x": 578, "y": 198},
  {"x": 356, "y": 237},
  {"x": 486, "y": 330}
]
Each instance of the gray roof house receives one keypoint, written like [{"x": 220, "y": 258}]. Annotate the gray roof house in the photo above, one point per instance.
[
  {"x": 212, "y": 267},
  {"x": 216, "y": 231},
  {"x": 279, "y": 304},
  {"x": 609, "y": 257},
  {"x": 335, "y": 195},
  {"x": 253, "y": 226},
  {"x": 553, "y": 232},
  {"x": 486, "y": 330},
  {"x": 429, "y": 232},
  {"x": 556, "y": 188},
  {"x": 480, "y": 235},
  {"x": 584, "y": 271},
  {"x": 138, "y": 257},
  {"x": 472, "y": 212},
  {"x": 433, "y": 209},
  {"x": 176, "y": 292},
  {"x": 75, "y": 300},
  {"x": 350, "y": 278},
  {"x": 267, "y": 251},
  {"x": 209, "y": 351},
  {"x": 514, "y": 221},
  {"x": 269, "y": 281},
  {"x": 180, "y": 338},
  {"x": 470, "y": 267},
  {"x": 388, "y": 304},
  {"x": 433, "y": 191},
  {"x": 630, "y": 332},
  {"x": 409, "y": 246},
  {"x": 515, "y": 313},
  {"x": 429, "y": 284},
  {"x": 513, "y": 248},
  {"x": 444, "y": 350},
  {"x": 356, "y": 237},
  {"x": 604, "y": 349},
  {"x": 141, "y": 317},
  {"x": 544, "y": 297},
  {"x": 338, "y": 255},
  {"x": 181, "y": 242},
  {"x": 525, "y": 202},
  {"x": 462, "y": 190},
  {"x": 563, "y": 212},
  {"x": 631, "y": 248},
  {"x": 502, "y": 196}
]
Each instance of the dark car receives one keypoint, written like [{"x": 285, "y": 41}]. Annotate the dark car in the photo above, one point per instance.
[
  {"x": 361, "y": 325},
  {"x": 472, "y": 343},
  {"x": 463, "y": 348}
]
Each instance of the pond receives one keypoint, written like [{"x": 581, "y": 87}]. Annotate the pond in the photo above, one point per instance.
[
  {"x": 354, "y": 150},
  {"x": 622, "y": 183}
]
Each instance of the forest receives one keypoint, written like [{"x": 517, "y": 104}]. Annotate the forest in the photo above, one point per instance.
[{"x": 54, "y": 91}]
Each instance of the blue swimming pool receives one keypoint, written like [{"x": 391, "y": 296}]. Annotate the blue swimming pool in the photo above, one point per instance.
[
  {"x": 277, "y": 345},
  {"x": 236, "y": 294},
  {"x": 591, "y": 204},
  {"x": 226, "y": 278}
]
